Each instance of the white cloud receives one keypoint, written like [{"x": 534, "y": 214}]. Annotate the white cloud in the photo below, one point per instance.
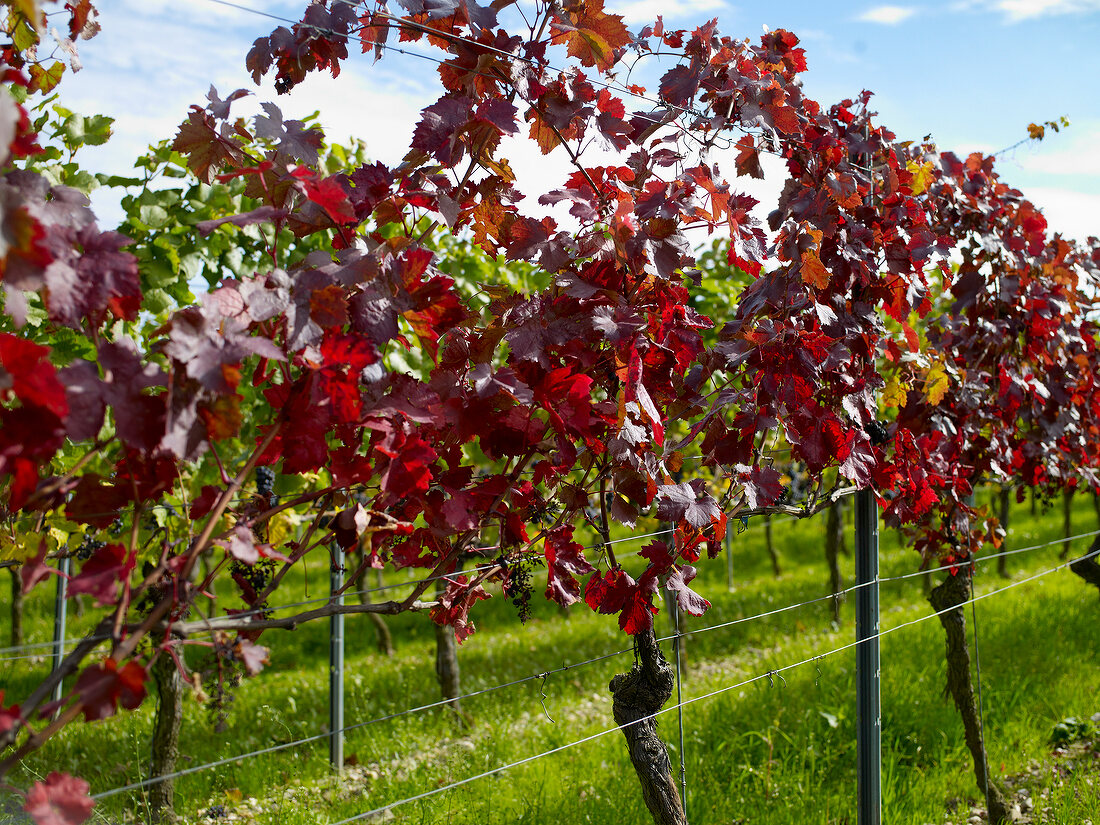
[
  {"x": 1016, "y": 11},
  {"x": 1071, "y": 152},
  {"x": 646, "y": 11},
  {"x": 1075, "y": 214},
  {"x": 887, "y": 15}
]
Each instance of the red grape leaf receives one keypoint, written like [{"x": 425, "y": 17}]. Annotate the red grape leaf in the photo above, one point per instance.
[
  {"x": 101, "y": 575},
  {"x": 638, "y": 608},
  {"x": 252, "y": 656},
  {"x": 687, "y": 501},
  {"x": 60, "y": 800},
  {"x": 205, "y": 502},
  {"x": 34, "y": 569},
  {"x": 206, "y": 149},
  {"x": 748, "y": 158},
  {"x": 26, "y": 371},
  {"x": 102, "y": 688},
  {"x": 454, "y": 606},
  {"x": 564, "y": 560},
  {"x": 242, "y": 545},
  {"x": 687, "y": 599},
  {"x": 9, "y": 717}
]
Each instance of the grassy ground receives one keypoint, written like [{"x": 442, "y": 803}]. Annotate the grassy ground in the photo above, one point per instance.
[{"x": 776, "y": 750}]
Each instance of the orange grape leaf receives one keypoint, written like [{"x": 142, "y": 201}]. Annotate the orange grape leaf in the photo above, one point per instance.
[
  {"x": 814, "y": 272},
  {"x": 594, "y": 34},
  {"x": 543, "y": 134}
]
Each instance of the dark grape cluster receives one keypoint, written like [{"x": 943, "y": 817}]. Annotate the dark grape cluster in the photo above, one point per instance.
[
  {"x": 216, "y": 812},
  {"x": 89, "y": 546},
  {"x": 517, "y": 584},
  {"x": 544, "y": 512},
  {"x": 877, "y": 432},
  {"x": 265, "y": 481},
  {"x": 252, "y": 578},
  {"x": 222, "y": 689}
]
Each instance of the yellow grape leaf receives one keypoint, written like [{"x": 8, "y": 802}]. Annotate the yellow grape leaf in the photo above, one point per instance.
[
  {"x": 29, "y": 10},
  {"x": 922, "y": 176},
  {"x": 58, "y": 538},
  {"x": 502, "y": 168},
  {"x": 894, "y": 393},
  {"x": 279, "y": 529},
  {"x": 936, "y": 383},
  {"x": 20, "y": 548},
  {"x": 45, "y": 79},
  {"x": 814, "y": 272}
]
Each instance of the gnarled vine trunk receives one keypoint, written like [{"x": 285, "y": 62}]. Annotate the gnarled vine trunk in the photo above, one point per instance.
[
  {"x": 1087, "y": 567},
  {"x": 381, "y": 629},
  {"x": 1067, "y": 521},
  {"x": 950, "y": 596},
  {"x": 166, "y": 737},
  {"x": 17, "y": 636},
  {"x": 446, "y": 661},
  {"x": 638, "y": 694},
  {"x": 770, "y": 544}
]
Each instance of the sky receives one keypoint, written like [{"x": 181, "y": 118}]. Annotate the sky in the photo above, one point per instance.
[{"x": 970, "y": 73}]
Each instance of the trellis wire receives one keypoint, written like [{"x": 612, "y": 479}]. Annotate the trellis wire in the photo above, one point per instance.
[
  {"x": 975, "y": 561},
  {"x": 458, "y": 38},
  {"x": 387, "y": 718},
  {"x": 677, "y": 707},
  {"x": 684, "y": 703}
]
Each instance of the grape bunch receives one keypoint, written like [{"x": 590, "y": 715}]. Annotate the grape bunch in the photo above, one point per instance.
[
  {"x": 252, "y": 578},
  {"x": 265, "y": 481},
  {"x": 517, "y": 585},
  {"x": 89, "y": 546},
  {"x": 216, "y": 812}
]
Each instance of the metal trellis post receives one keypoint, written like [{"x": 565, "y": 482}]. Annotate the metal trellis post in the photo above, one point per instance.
[
  {"x": 336, "y": 665},
  {"x": 869, "y": 716},
  {"x": 59, "y": 607}
]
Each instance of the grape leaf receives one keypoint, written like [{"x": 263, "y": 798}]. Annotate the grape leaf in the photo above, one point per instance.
[
  {"x": 102, "y": 688},
  {"x": 60, "y": 800}
]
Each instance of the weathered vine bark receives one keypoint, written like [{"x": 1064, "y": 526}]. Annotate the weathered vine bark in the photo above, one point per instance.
[
  {"x": 1067, "y": 521},
  {"x": 166, "y": 737},
  {"x": 638, "y": 694},
  {"x": 834, "y": 539},
  {"x": 1002, "y": 561},
  {"x": 772, "y": 554},
  {"x": 17, "y": 636},
  {"x": 1087, "y": 567},
  {"x": 446, "y": 661},
  {"x": 381, "y": 629},
  {"x": 950, "y": 596}
]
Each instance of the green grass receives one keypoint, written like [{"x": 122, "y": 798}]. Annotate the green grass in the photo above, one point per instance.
[{"x": 772, "y": 751}]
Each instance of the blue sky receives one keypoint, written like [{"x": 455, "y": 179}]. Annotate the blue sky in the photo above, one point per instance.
[{"x": 972, "y": 73}]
